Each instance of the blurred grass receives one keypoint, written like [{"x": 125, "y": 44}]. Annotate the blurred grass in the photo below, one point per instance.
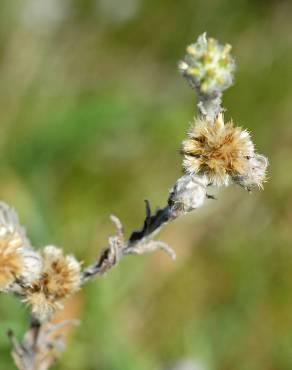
[{"x": 92, "y": 115}]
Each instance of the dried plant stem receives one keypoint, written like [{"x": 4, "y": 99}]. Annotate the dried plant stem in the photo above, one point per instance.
[
  {"x": 40, "y": 347},
  {"x": 138, "y": 243},
  {"x": 141, "y": 241},
  {"x": 215, "y": 153}
]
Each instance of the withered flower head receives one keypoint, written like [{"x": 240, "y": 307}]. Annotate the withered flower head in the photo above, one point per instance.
[
  {"x": 19, "y": 263},
  {"x": 219, "y": 151},
  {"x": 59, "y": 279}
]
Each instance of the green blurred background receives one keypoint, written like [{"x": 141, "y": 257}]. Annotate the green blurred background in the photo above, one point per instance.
[{"x": 92, "y": 113}]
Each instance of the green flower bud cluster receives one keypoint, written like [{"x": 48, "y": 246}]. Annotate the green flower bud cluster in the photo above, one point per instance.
[{"x": 208, "y": 66}]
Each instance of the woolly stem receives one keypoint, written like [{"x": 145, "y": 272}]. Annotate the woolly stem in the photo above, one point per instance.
[{"x": 209, "y": 106}]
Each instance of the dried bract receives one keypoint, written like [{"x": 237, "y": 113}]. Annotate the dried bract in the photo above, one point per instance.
[{"x": 59, "y": 279}]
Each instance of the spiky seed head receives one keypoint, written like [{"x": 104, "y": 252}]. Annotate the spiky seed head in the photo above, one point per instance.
[
  {"x": 208, "y": 66},
  {"x": 19, "y": 263},
  {"x": 60, "y": 277},
  {"x": 217, "y": 150}
]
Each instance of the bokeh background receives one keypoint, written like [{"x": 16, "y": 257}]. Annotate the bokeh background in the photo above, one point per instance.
[{"x": 92, "y": 114}]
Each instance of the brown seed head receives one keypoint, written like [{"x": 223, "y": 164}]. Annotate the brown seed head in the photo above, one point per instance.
[
  {"x": 217, "y": 150},
  {"x": 19, "y": 263},
  {"x": 59, "y": 279},
  {"x": 10, "y": 260}
]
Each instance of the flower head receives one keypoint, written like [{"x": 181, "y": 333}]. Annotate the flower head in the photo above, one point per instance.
[
  {"x": 208, "y": 66},
  {"x": 219, "y": 151},
  {"x": 19, "y": 263},
  {"x": 60, "y": 277}
]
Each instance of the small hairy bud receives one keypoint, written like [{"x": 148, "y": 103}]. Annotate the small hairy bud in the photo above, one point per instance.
[
  {"x": 217, "y": 150},
  {"x": 19, "y": 263},
  {"x": 255, "y": 174},
  {"x": 188, "y": 193},
  {"x": 32, "y": 266},
  {"x": 60, "y": 277},
  {"x": 208, "y": 66}
]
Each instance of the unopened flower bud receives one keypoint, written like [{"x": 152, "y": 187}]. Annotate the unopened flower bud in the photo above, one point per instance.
[
  {"x": 208, "y": 66},
  {"x": 32, "y": 265},
  {"x": 188, "y": 193},
  {"x": 255, "y": 173}
]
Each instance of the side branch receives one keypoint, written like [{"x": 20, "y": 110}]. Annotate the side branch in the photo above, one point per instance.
[
  {"x": 188, "y": 193},
  {"x": 139, "y": 242}
]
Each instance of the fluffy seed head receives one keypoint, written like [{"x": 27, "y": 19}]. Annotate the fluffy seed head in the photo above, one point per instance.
[
  {"x": 19, "y": 263},
  {"x": 208, "y": 66},
  {"x": 219, "y": 151},
  {"x": 60, "y": 277}
]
